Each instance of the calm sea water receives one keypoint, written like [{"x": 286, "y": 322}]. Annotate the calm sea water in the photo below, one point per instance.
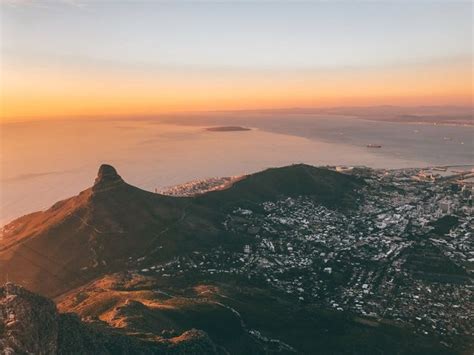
[
  {"x": 42, "y": 162},
  {"x": 427, "y": 143}
]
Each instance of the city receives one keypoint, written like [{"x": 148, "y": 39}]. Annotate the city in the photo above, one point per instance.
[{"x": 406, "y": 254}]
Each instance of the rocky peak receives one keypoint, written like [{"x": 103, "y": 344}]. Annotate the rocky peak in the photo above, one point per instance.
[{"x": 106, "y": 176}]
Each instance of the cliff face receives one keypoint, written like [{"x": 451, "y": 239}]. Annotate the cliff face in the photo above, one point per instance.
[{"x": 31, "y": 324}]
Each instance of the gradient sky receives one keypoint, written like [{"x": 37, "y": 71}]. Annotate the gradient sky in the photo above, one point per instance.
[{"x": 80, "y": 58}]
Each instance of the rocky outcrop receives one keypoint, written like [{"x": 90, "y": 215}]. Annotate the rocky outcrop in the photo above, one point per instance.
[
  {"x": 28, "y": 323},
  {"x": 107, "y": 176}
]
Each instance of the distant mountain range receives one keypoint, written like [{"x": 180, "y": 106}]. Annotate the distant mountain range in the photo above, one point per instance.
[{"x": 457, "y": 115}]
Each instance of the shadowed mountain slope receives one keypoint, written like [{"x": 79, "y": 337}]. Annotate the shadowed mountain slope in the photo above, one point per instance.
[
  {"x": 31, "y": 324},
  {"x": 325, "y": 186}
]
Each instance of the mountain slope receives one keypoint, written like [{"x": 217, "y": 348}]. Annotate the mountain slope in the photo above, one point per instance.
[
  {"x": 95, "y": 231},
  {"x": 241, "y": 318},
  {"x": 107, "y": 226},
  {"x": 31, "y": 324}
]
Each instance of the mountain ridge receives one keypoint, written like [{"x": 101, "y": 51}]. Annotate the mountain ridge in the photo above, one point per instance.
[{"x": 98, "y": 230}]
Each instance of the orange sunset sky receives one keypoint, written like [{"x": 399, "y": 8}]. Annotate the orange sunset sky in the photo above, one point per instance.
[{"x": 73, "y": 58}]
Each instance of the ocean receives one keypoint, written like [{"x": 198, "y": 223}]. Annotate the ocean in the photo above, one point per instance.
[{"x": 46, "y": 161}]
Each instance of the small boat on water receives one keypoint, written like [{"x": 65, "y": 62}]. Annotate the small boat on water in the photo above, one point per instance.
[{"x": 374, "y": 146}]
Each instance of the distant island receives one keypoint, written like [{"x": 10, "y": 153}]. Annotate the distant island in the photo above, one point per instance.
[{"x": 227, "y": 129}]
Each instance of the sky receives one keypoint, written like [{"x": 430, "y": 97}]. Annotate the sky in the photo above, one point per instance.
[{"x": 70, "y": 58}]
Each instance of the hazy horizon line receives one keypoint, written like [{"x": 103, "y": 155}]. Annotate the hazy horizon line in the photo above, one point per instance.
[{"x": 59, "y": 117}]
